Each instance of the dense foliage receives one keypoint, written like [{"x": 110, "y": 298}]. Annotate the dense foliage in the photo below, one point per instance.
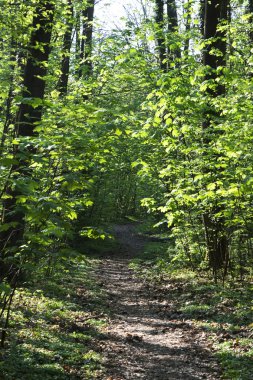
[{"x": 151, "y": 119}]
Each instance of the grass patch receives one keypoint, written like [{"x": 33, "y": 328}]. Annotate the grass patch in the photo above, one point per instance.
[
  {"x": 154, "y": 263},
  {"x": 54, "y": 331},
  {"x": 97, "y": 247},
  {"x": 225, "y": 313}
]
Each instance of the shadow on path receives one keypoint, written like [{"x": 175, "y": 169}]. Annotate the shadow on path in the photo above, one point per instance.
[{"x": 140, "y": 343}]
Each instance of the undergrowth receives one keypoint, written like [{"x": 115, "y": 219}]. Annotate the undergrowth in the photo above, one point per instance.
[
  {"x": 223, "y": 313},
  {"x": 54, "y": 328}
]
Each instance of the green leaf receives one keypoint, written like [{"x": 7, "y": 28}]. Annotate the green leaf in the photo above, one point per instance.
[{"x": 118, "y": 132}]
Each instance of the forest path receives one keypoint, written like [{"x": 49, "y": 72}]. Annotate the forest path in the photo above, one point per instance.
[{"x": 141, "y": 341}]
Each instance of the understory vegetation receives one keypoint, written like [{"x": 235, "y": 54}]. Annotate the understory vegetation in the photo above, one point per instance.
[
  {"x": 147, "y": 122},
  {"x": 55, "y": 328},
  {"x": 221, "y": 313}
]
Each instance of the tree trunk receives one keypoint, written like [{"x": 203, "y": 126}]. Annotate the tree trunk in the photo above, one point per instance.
[
  {"x": 188, "y": 11},
  {"x": 202, "y": 9},
  {"x": 250, "y": 7},
  {"x": 172, "y": 26},
  {"x": 27, "y": 118},
  {"x": 172, "y": 15},
  {"x": 67, "y": 42},
  {"x": 160, "y": 38},
  {"x": 215, "y": 11},
  {"x": 8, "y": 116},
  {"x": 36, "y": 70},
  {"x": 86, "y": 40}
]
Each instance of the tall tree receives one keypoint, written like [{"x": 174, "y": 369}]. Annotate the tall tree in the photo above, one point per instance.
[
  {"x": 67, "y": 42},
  {"x": 86, "y": 39},
  {"x": 214, "y": 58},
  {"x": 8, "y": 115},
  {"x": 250, "y": 7},
  {"x": 188, "y": 16},
  {"x": 172, "y": 15},
  {"x": 28, "y": 116},
  {"x": 172, "y": 25},
  {"x": 160, "y": 37}
]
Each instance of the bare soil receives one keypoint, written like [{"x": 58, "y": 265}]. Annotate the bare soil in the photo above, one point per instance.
[{"x": 146, "y": 338}]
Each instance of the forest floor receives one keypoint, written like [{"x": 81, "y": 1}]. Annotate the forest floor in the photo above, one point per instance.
[
  {"x": 147, "y": 337},
  {"x": 122, "y": 314}
]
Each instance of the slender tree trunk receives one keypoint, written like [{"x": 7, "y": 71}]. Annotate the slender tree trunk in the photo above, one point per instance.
[
  {"x": 8, "y": 117},
  {"x": 27, "y": 118},
  {"x": 172, "y": 25},
  {"x": 215, "y": 11},
  {"x": 188, "y": 11},
  {"x": 202, "y": 9},
  {"x": 77, "y": 43},
  {"x": 160, "y": 37},
  {"x": 67, "y": 42},
  {"x": 36, "y": 70},
  {"x": 86, "y": 40},
  {"x": 172, "y": 15},
  {"x": 250, "y": 7}
]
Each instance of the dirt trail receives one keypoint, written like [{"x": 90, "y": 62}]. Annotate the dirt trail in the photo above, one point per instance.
[{"x": 141, "y": 342}]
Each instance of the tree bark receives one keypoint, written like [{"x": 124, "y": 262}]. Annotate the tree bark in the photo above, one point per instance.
[
  {"x": 160, "y": 37},
  {"x": 250, "y": 7},
  {"x": 172, "y": 15},
  {"x": 27, "y": 118},
  {"x": 202, "y": 17},
  {"x": 215, "y": 11},
  {"x": 67, "y": 42},
  {"x": 172, "y": 25},
  {"x": 35, "y": 70},
  {"x": 188, "y": 26},
  {"x": 8, "y": 116},
  {"x": 86, "y": 40}
]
